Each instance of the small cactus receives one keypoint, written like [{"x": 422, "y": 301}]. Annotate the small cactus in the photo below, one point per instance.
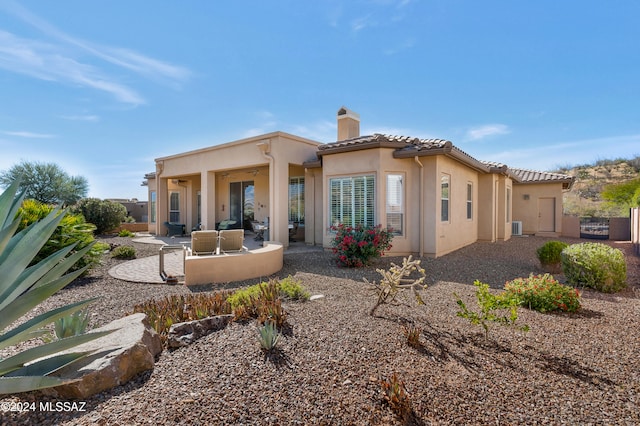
[{"x": 395, "y": 279}]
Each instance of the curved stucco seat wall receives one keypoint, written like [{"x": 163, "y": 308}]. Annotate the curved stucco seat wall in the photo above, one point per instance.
[{"x": 232, "y": 267}]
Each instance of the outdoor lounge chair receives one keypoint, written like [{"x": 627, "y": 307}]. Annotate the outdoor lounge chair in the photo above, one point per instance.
[
  {"x": 231, "y": 240},
  {"x": 204, "y": 242}
]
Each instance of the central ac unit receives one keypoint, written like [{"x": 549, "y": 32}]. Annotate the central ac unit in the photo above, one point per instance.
[{"x": 516, "y": 227}]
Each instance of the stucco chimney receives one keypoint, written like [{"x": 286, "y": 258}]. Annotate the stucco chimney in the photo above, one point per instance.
[{"x": 348, "y": 124}]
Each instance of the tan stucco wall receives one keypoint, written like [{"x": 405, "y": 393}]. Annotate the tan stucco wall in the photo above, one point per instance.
[
  {"x": 487, "y": 202},
  {"x": 233, "y": 267},
  {"x": 203, "y": 170},
  {"x": 527, "y": 211},
  {"x": 438, "y": 238},
  {"x": 458, "y": 231},
  {"x": 571, "y": 226},
  {"x": 151, "y": 187}
]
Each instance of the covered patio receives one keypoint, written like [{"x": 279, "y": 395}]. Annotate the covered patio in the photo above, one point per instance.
[{"x": 235, "y": 185}]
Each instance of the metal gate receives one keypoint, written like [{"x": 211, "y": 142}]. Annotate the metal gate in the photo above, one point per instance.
[{"x": 595, "y": 228}]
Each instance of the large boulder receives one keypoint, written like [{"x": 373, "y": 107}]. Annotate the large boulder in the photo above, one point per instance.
[
  {"x": 117, "y": 358},
  {"x": 185, "y": 333}
]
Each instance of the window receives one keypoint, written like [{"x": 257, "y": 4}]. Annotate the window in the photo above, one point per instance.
[
  {"x": 296, "y": 199},
  {"x": 395, "y": 203},
  {"x": 508, "y": 205},
  {"x": 174, "y": 207},
  {"x": 152, "y": 206},
  {"x": 199, "y": 207},
  {"x": 444, "y": 198},
  {"x": 351, "y": 201},
  {"x": 469, "y": 200}
]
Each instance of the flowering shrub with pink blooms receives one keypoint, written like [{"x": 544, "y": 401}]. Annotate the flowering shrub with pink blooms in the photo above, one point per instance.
[
  {"x": 358, "y": 245},
  {"x": 543, "y": 293}
]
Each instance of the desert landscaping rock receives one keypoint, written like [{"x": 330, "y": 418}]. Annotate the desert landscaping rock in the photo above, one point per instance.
[
  {"x": 117, "y": 357},
  {"x": 185, "y": 333},
  {"x": 571, "y": 369}
]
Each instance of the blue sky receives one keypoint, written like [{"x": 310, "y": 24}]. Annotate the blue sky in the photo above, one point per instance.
[{"x": 104, "y": 88}]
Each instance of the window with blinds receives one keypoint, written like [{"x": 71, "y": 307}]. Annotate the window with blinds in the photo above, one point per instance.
[
  {"x": 395, "y": 203},
  {"x": 351, "y": 201},
  {"x": 296, "y": 199}
]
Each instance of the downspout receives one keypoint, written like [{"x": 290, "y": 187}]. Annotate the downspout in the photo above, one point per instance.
[
  {"x": 421, "y": 208},
  {"x": 265, "y": 148}
]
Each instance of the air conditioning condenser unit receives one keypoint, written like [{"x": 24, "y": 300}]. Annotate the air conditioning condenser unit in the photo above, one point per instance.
[{"x": 516, "y": 227}]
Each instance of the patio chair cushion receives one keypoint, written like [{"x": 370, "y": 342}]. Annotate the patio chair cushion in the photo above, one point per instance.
[
  {"x": 231, "y": 239},
  {"x": 204, "y": 242}
]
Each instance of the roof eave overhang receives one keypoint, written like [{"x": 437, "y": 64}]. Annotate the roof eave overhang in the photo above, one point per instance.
[
  {"x": 566, "y": 183},
  {"x": 312, "y": 164},
  {"x": 447, "y": 150},
  {"x": 360, "y": 147}
]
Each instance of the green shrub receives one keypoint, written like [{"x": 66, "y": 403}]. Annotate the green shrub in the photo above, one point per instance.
[
  {"x": 493, "y": 308},
  {"x": 72, "y": 229},
  {"x": 291, "y": 288},
  {"x": 543, "y": 293},
  {"x": 124, "y": 252},
  {"x": 550, "y": 252},
  {"x": 595, "y": 265},
  {"x": 287, "y": 288},
  {"x": 104, "y": 214},
  {"x": 358, "y": 245},
  {"x": 126, "y": 233}
]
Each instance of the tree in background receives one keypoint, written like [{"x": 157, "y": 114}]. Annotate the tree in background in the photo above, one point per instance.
[
  {"x": 46, "y": 182},
  {"x": 625, "y": 194},
  {"x": 104, "y": 214},
  {"x": 72, "y": 229}
]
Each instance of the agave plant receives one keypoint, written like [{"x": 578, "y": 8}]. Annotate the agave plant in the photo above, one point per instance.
[{"x": 23, "y": 287}]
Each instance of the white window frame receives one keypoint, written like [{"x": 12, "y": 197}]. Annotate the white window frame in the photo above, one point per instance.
[
  {"x": 470, "y": 200},
  {"x": 296, "y": 197},
  {"x": 445, "y": 198},
  {"x": 508, "y": 199},
  {"x": 174, "y": 210},
  {"x": 395, "y": 204},
  {"x": 152, "y": 207},
  {"x": 348, "y": 194}
]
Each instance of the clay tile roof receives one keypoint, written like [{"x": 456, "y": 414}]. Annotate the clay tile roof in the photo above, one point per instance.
[
  {"x": 532, "y": 176},
  {"x": 363, "y": 142}
]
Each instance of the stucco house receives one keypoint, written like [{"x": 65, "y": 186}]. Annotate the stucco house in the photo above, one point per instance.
[{"x": 435, "y": 197}]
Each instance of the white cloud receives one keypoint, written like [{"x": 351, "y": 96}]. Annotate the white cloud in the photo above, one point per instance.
[
  {"x": 64, "y": 62},
  {"x": 362, "y": 23},
  {"x": 321, "y": 131},
  {"x": 487, "y": 130},
  {"x": 30, "y": 135}
]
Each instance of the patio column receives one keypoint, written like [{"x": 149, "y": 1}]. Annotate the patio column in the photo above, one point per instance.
[
  {"x": 208, "y": 201},
  {"x": 162, "y": 206}
]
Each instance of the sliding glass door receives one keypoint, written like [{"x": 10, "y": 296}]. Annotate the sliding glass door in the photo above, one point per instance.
[{"x": 241, "y": 203}]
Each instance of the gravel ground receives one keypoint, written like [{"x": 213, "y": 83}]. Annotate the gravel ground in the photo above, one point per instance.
[{"x": 580, "y": 368}]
